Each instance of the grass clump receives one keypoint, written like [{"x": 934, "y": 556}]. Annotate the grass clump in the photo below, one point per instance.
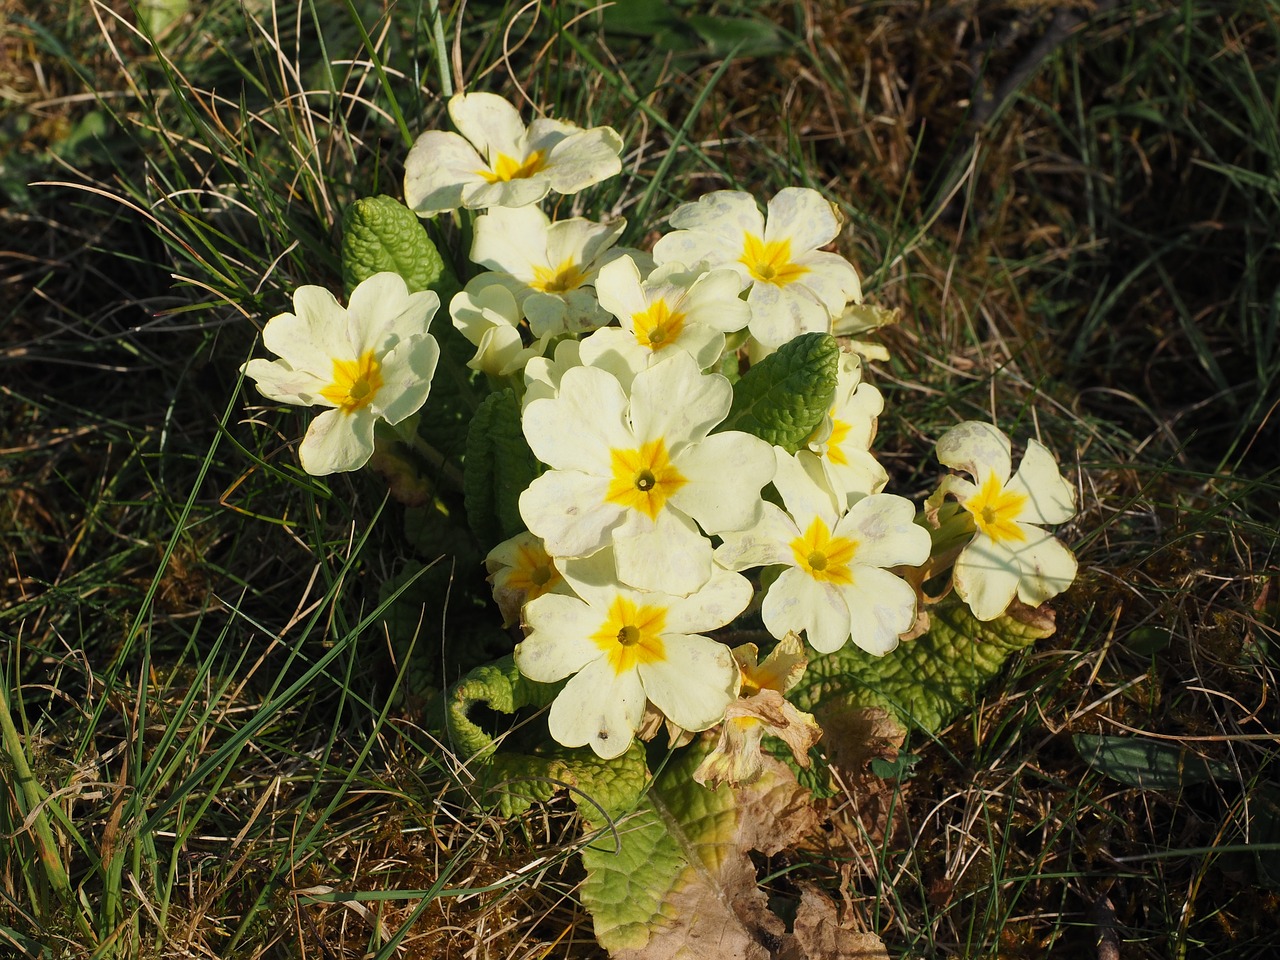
[{"x": 216, "y": 669}]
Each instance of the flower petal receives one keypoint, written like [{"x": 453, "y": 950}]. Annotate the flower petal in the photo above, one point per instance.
[
  {"x": 1046, "y": 567},
  {"x": 729, "y": 213},
  {"x": 986, "y": 577},
  {"x": 505, "y": 193},
  {"x": 276, "y": 380},
  {"x": 618, "y": 287},
  {"x": 490, "y": 122},
  {"x": 713, "y": 300},
  {"x": 406, "y": 374},
  {"x": 666, "y": 554},
  {"x": 337, "y": 441},
  {"x": 585, "y": 158},
  {"x": 310, "y": 337},
  {"x": 694, "y": 684},
  {"x": 581, "y": 241},
  {"x": 796, "y": 602},
  {"x": 762, "y": 545},
  {"x": 802, "y": 216},
  {"x": 675, "y": 401},
  {"x": 568, "y": 510},
  {"x": 725, "y": 474},
  {"x": 978, "y": 449},
  {"x": 881, "y": 606},
  {"x": 1050, "y": 497},
  {"x": 804, "y": 488},
  {"x": 782, "y": 314},
  {"x": 437, "y": 169},
  {"x": 511, "y": 240},
  {"x": 887, "y": 535},
  {"x": 582, "y": 424},
  {"x": 830, "y": 279},
  {"x": 720, "y": 600},
  {"x": 559, "y": 638},
  {"x": 600, "y": 708}
]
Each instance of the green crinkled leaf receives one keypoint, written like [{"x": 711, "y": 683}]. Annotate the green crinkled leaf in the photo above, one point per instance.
[
  {"x": 499, "y": 466},
  {"x": 1149, "y": 764},
  {"x": 674, "y": 877},
  {"x": 602, "y": 788},
  {"x": 381, "y": 233},
  {"x": 928, "y": 681},
  {"x": 499, "y": 686},
  {"x": 677, "y": 824},
  {"x": 783, "y": 398}
]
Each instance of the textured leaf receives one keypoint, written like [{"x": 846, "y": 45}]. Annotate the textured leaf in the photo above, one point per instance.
[
  {"x": 783, "y": 398},
  {"x": 675, "y": 879},
  {"x": 928, "y": 681},
  {"x": 381, "y": 233},
  {"x": 1149, "y": 764},
  {"x": 499, "y": 467},
  {"x": 607, "y": 788},
  {"x": 499, "y": 686}
]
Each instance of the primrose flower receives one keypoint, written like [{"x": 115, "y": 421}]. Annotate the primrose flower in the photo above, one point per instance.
[
  {"x": 372, "y": 360},
  {"x": 489, "y": 317},
  {"x": 843, "y": 440},
  {"x": 498, "y": 162},
  {"x": 675, "y": 308},
  {"x": 761, "y": 709},
  {"x": 520, "y": 570},
  {"x": 1009, "y": 553},
  {"x": 642, "y": 472},
  {"x": 623, "y": 648},
  {"x": 794, "y": 287},
  {"x": 549, "y": 268},
  {"x": 835, "y": 585}
]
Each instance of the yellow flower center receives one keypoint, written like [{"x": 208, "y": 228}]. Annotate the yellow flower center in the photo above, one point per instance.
[
  {"x": 533, "y": 573},
  {"x": 643, "y": 479},
  {"x": 559, "y": 279},
  {"x": 995, "y": 511},
  {"x": 355, "y": 382},
  {"x": 658, "y": 326},
  {"x": 770, "y": 262},
  {"x": 839, "y": 431},
  {"x": 507, "y": 168},
  {"x": 631, "y": 635},
  {"x": 822, "y": 556}
]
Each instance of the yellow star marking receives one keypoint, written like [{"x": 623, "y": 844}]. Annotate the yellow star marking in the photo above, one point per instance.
[
  {"x": 643, "y": 479},
  {"x": 822, "y": 556},
  {"x": 839, "y": 430},
  {"x": 995, "y": 511},
  {"x": 506, "y": 168},
  {"x": 631, "y": 635},
  {"x": 355, "y": 382},
  {"x": 560, "y": 279},
  {"x": 533, "y": 573},
  {"x": 657, "y": 327},
  {"x": 770, "y": 262}
]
